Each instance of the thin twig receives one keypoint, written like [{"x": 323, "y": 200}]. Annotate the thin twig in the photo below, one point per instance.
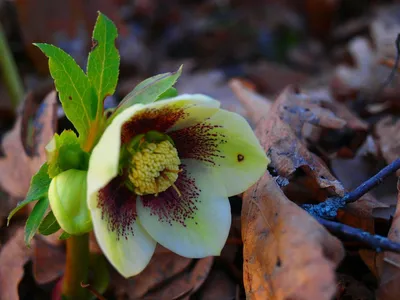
[
  {"x": 377, "y": 242},
  {"x": 372, "y": 182},
  {"x": 93, "y": 291},
  {"x": 328, "y": 209}
]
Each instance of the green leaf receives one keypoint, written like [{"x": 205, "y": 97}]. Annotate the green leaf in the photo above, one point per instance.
[
  {"x": 103, "y": 61},
  {"x": 148, "y": 90},
  {"x": 64, "y": 153},
  {"x": 170, "y": 93},
  {"x": 75, "y": 91},
  {"x": 39, "y": 186},
  {"x": 34, "y": 219},
  {"x": 64, "y": 236},
  {"x": 49, "y": 224}
]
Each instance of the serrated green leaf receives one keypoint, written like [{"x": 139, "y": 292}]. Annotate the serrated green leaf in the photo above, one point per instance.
[
  {"x": 35, "y": 218},
  {"x": 64, "y": 236},
  {"x": 103, "y": 61},
  {"x": 75, "y": 91},
  {"x": 64, "y": 153},
  {"x": 40, "y": 183},
  {"x": 49, "y": 224},
  {"x": 149, "y": 90}
]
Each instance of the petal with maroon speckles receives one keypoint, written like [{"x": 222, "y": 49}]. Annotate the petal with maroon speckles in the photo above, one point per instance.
[
  {"x": 119, "y": 233},
  {"x": 226, "y": 143},
  {"x": 170, "y": 114},
  {"x": 178, "y": 112},
  {"x": 104, "y": 160},
  {"x": 195, "y": 224}
]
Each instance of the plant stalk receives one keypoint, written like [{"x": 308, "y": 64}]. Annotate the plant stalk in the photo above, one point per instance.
[
  {"x": 9, "y": 71},
  {"x": 77, "y": 268}
]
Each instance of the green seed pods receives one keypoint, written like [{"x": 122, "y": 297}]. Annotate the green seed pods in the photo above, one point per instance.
[{"x": 67, "y": 195}]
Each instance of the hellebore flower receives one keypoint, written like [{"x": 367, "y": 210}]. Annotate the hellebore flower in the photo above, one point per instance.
[{"x": 163, "y": 172}]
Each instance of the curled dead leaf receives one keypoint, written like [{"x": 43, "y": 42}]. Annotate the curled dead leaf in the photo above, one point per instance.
[
  {"x": 13, "y": 257},
  {"x": 280, "y": 135},
  {"x": 287, "y": 254}
]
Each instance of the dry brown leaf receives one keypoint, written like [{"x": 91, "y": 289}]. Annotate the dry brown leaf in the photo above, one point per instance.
[
  {"x": 186, "y": 283},
  {"x": 373, "y": 260},
  {"x": 387, "y": 131},
  {"x": 256, "y": 105},
  {"x": 389, "y": 287},
  {"x": 19, "y": 165},
  {"x": 162, "y": 267},
  {"x": 280, "y": 134},
  {"x": 13, "y": 257},
  {"x": 287, "y": 254},
  {"x": 48, "y": 261},
  {"x": 219, "y": 285}
]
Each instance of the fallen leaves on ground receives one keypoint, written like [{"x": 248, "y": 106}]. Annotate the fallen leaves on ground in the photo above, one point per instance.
[
  {"x": 301, "y": 255},
  {"x": 389, "y": 287},
  {"x": 256, "y": 106},
  {"x": 387, "y": 131},
  {"x": 13, "y": 256},
  {"x": 162, "y": 267},
  {"x": 48, "y": 261},
  {"x": 287, "y": 254},
  {"x": 19, "y": 164},
  {"x": 280, "y": 133}
]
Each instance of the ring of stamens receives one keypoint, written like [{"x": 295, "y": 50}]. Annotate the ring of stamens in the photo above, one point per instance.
[{"x": 154, "y": 168}]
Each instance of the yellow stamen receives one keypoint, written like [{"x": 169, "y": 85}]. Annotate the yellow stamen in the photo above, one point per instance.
[
  {"x": 176, "y": 189},
  {"x": 155, "y": 168}
]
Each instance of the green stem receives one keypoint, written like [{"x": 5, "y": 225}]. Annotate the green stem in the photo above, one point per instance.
[
  {"x": 77, "y": 268},
  {"x": 9, "y": 71}
]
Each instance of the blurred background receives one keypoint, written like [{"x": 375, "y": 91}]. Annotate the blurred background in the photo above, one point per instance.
[
  {"x": 272, "y": 42},
  {"x": 337, "y": 50}
]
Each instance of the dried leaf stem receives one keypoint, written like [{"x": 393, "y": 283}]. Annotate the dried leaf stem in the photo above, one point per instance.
[
  {"x": 328, "y": 209},
  {"x": 9, "y": 71},
  {"x": 377, "y": 242}
]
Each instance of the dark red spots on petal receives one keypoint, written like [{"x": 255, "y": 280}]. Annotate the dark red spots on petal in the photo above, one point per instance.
[
  {"x": 200, "y": 142},
  {"x": 118, "y": 207},
  {"x": 159, "y": 119},
  {"x": 169, "y": 207}
]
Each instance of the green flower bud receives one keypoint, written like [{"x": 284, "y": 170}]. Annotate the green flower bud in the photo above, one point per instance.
[{"x": 67, "y": 196}]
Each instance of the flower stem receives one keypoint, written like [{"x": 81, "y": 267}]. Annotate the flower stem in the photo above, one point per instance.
[{"x": 77, "y": 267}]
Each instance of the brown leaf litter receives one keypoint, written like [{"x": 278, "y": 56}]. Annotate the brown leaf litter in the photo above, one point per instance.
[{"x": 287, "y": 254}]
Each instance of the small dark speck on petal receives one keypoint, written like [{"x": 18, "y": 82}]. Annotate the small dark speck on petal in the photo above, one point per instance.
[{"x": 240, "y": 157}]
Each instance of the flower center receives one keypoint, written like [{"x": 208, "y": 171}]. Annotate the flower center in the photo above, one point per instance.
[{"x": 154, "y": 168}]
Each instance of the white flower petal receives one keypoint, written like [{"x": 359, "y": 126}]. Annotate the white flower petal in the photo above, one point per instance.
[
  {"x": 104, "y": 160},
  {"x": 126, "y": 245},
  {"x": 226, "y": 143},
  {"x": 197, "y": 223}
]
